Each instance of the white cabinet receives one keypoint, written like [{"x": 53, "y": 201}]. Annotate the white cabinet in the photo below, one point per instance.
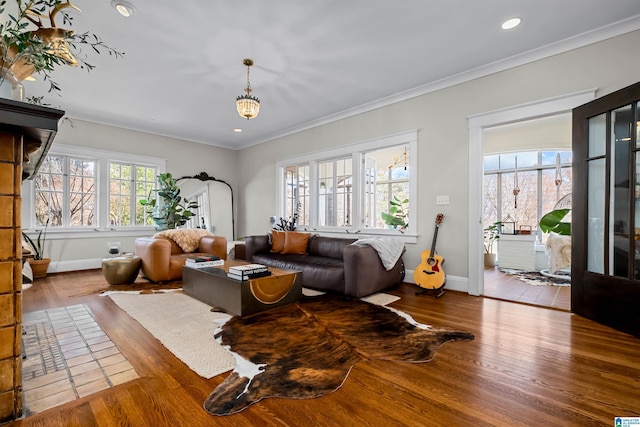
[{"x": 517, "y": 251}]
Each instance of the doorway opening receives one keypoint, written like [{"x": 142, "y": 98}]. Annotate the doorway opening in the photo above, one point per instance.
[
  {"x": 478, "y": 126},
  {"x": 527, "y": 174}
]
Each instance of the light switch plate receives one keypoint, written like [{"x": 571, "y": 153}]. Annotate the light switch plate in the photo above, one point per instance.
[{"x": 442, "y": 200}]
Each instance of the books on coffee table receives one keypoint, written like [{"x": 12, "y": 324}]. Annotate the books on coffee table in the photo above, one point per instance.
[
  {"x": 249, "y": 276},
  {"x": 203, "y": 258},
  {"x": 248, "y": 271},
  {"x": 204, "y": 261}
]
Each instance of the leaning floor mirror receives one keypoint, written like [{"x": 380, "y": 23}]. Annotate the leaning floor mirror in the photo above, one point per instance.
[{"x": 215, "y": 200}]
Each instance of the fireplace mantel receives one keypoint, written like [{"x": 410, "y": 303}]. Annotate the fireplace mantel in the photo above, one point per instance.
[
  {"x": 38, "y": 126},
  {"x": 26, "y": 134}
]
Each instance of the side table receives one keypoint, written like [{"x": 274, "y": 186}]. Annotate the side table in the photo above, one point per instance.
[{"x": 121, "y": 270}]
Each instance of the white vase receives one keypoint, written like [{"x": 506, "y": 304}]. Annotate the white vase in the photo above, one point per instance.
[{"x": 10, "y": 86}]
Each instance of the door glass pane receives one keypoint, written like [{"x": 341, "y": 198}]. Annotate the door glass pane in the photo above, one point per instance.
[
  {"x": 637, "y": 215},
  {"x": 597, "y": 135},
  {"x": 621, "y": 120},
  {"x": 595, "y": 214}
]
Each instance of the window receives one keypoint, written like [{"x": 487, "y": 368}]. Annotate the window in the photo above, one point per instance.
[
  {"x": 297, "y": 194},
  {"x": 335, "y": 192},
  {"x": 386, "y": 183},
  {"x": 525, "y": 185},
  {"x": 65, "y": 192},
  {"x": 128, "y": 184},
  {"x": 84, "y": 189},
  {"x": 349, "y": 188}
]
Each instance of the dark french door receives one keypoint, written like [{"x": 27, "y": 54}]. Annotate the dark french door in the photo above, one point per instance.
[{"x": 605, "y": 270}]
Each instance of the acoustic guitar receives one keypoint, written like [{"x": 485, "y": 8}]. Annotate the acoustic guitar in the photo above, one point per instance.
[{"x": 429, "y": 274}]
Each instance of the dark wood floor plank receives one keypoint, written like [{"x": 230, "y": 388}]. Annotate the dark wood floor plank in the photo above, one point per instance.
[{"x": 527, "y": 366}]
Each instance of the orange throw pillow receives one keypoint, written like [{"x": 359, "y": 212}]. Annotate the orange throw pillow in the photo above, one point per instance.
[
  {"x": 277, "y": 240},
  {"x": 295, "y": 243}
]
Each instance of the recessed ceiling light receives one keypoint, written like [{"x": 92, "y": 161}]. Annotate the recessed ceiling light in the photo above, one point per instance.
[
  {"x": 511, "y": 23},
  {"x": 238, "y": 130},
  {"x": 123, "y": 7}
]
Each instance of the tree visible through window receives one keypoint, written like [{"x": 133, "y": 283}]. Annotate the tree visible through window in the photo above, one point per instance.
[
  {"x": 540, "y": 179},
  {"x": 71, "y": 180},
  {"x": 65, "y": 192},
  {"x": 128, "y": 184}
]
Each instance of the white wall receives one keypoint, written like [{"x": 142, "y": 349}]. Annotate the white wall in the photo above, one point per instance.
[
  {"x": 552, "y": 132},
  {"x": 183, "y": 158},
  {"x": 443, "y": 139}
]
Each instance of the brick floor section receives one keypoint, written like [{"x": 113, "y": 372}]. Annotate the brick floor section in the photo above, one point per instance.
[{"x": 68, "y": 356}]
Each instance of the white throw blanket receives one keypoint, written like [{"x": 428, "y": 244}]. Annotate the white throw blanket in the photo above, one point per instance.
[
  {"x": 389, "y": 250},
  {"x": 559, "y": 248}
]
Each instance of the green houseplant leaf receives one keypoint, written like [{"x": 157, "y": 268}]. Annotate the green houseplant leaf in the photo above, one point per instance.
[
  {"x": 37, "y": 246},
  {"x": 170, "y": 210},
  {"x": 552, "y": 222},
  {"x": 491, "y": 234},
  {"x": 398, "y": 215},
  {"x": 28, "y": 45}
]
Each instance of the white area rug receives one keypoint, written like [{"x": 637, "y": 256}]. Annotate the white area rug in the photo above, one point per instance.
[{"x": 185, "y": 326}]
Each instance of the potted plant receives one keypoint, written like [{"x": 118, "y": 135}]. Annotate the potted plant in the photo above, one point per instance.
[
  {"x": 173, "y": 210},
  {"x": 398, "y": 215},
  {"x": 28, "y": 45},
  {"x": 491, "y": 234},
  {"x": 39, "y": 264}
]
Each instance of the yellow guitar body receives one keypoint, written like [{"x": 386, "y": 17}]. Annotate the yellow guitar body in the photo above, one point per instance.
[{"x": 429, "y": 274}]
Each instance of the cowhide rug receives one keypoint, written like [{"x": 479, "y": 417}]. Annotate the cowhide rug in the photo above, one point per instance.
[{"x": 307, "y": 349}]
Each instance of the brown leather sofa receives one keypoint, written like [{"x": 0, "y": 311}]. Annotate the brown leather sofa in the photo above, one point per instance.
[
  {"x": 162, "y": 259},
  {"x": 330, "y": 264}
]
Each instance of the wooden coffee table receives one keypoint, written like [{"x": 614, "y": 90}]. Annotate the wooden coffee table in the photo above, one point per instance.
[{"x": 241, "y": 298}]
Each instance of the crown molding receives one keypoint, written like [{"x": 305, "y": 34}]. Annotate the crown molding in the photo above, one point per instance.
[{"x": 581, "y": 40}]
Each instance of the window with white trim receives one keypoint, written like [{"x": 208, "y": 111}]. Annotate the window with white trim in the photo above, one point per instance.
[
  {"x": 65, "y": 192},
  {"x": 297, "y": 193},
  {"x": 350, "y": 187},
  {"x": 128, "y": 184},
  {"x": 525, "y": 185},
  {"x": 80, "y": 188},
  {"x": 335, "y": 192}
]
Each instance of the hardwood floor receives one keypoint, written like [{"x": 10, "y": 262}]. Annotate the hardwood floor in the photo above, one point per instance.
[
  {"x": 506, "y": 287},
  {"x": 528, "y": 366}
]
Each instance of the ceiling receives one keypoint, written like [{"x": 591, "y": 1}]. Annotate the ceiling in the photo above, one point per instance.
[{"x": 315, "y": 60}]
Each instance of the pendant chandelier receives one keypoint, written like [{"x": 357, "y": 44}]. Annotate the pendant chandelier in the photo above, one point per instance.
[{"x": 248, "y": 105}]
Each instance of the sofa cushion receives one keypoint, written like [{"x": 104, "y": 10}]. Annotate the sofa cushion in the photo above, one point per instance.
[
  {"x": 321, "y": 273},
  {"x": 332, "y": 247},
  {"x": 277, "y": 240},
  {"x": 295, "y": 243}
]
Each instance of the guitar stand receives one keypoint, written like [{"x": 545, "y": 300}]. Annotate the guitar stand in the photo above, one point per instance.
[{"x": 432, "y": 292}]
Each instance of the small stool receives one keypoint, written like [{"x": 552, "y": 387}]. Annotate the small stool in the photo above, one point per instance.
[{"x": 121, "y": 270}]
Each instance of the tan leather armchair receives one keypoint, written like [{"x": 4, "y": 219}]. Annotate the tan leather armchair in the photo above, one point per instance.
[{"x": 162, "y": 259}]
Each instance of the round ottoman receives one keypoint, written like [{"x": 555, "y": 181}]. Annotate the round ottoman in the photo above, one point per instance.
[{"x": 121, "y": 270}]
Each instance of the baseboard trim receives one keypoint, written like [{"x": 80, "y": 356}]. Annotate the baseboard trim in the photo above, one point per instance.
[
  {"x": 74, "y": 265},
  {"x": 453, "y": 283}
]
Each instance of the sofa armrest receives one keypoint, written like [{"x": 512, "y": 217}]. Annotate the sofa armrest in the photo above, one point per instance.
[
  {"x": 214, "y": 245},
  {"x": 364, "y": 273},
  {"x": 155, "y": 255},
  {"x": 255, "y": 245}
]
